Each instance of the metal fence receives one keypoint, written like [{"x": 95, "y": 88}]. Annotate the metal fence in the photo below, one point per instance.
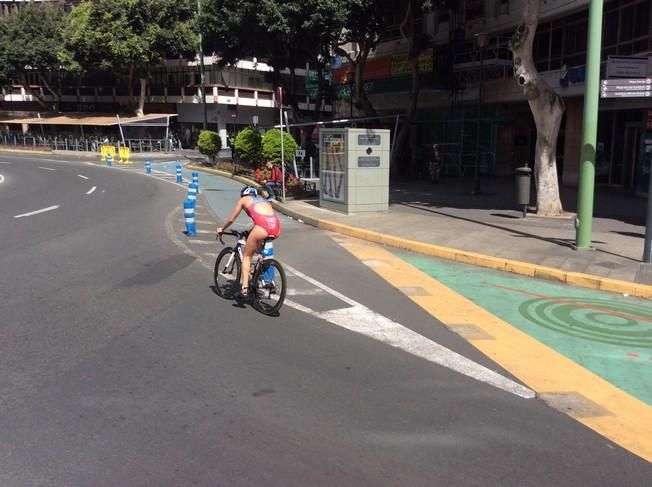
[{"x": 84, "y": 144}]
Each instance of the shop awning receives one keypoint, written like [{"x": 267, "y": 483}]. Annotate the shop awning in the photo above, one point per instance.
[{"x": 93, "y": 119}]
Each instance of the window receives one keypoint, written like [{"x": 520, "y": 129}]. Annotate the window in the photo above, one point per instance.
[
  {"x": 627, "y": 23},
  {"x": 642, "y": 19},
  {"x": 610, "y": 28},
  {"x": 540, "y": 49}
]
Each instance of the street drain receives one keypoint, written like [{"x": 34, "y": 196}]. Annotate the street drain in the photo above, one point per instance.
[
  {"x": 471, "y": 332},
  {"x": 574, "y": 404},
  {"x": 414, "y": 291}
]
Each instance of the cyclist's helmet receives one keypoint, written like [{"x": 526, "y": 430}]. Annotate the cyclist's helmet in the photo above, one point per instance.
[{"x": 249, "y": 191}]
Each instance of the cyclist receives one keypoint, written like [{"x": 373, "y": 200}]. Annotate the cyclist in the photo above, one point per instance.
[{"x": 265, "y": 224}]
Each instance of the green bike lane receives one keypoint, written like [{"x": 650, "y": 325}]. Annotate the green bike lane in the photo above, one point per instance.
[{"x": 609, "y": 334}]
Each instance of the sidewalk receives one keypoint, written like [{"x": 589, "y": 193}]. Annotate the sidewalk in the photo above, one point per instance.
[{"x": 455, "y": 223}]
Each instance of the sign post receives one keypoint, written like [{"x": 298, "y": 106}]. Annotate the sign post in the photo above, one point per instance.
[{"x": 279, "y": 100}]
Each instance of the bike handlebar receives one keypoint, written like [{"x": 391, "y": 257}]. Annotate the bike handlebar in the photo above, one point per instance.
[{"x": 235, "y": 233}]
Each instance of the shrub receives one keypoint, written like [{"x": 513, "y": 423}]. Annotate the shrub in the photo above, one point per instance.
[
  {"x": 248, "y": 145},
  {"x": 209, "y": 144},
  {"x": 272, "y": 146}
]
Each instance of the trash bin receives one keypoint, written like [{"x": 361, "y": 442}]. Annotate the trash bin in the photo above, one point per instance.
[{"x": 523, "y": 176}]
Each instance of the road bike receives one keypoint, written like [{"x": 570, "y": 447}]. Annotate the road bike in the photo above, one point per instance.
[{"x": 267, "y": 281}]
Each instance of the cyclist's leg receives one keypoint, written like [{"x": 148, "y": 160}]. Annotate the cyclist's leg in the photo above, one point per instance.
[{"x": 254, "y": 240}]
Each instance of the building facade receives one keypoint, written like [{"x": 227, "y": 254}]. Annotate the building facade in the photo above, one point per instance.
[{"x": 495, "y": 124}]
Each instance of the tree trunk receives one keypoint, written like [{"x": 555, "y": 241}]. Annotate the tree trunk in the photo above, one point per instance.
[
  {"x": 408, "y": 30},
  {"x": 360, "y": 98},
  {"x": 130, "y": 86},
  {"x": 36, "y": 95},
  {"x": 56, "y": 92},
  {"x": 359, "y": 95},
  {"x": 140, "y": 111},
  {"x": 547, "y": 109}
]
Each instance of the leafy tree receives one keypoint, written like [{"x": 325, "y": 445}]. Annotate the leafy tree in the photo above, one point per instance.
[
  {"x": 209, "y": 143},
  {"x": 127, "y": 37},
  {"x": 287, "y": 34},
  {"x": 31, "y": 42},
  {"x": 272, "y": 146},
  {"x": 248, "y": 145}
]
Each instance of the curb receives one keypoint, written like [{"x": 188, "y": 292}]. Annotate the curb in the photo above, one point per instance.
[
  {"x": 527, "y": 269},
  {"x": 27, "y": 151}
]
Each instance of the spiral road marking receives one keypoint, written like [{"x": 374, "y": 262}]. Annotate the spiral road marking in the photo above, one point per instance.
[{"x": 600, "y": 320}]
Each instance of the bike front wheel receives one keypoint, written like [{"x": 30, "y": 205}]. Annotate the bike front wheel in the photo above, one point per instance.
[
  {"x": 226, "y": 274},
  {"x": 269, "y": 287}
]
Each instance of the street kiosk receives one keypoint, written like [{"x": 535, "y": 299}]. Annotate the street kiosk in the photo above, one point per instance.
[{"x": 354, "y": 169}]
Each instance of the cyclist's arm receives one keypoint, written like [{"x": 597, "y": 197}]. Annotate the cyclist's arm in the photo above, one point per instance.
[{"x": 231, "y": 218}]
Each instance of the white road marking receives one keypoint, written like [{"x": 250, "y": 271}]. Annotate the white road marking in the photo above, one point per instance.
[
  {"x": 203, "y": 242},
  {"x": 81, "y": 176},
  {"x": 90, "y": 191},
  {"x": 43, "y": 210},
  {"x": 305, "y": 292},
  {"x": 202, "y": 222},
  {"x": 2, "y": 179},
  {"x": 362, "y": 320},
  {"x": 206, "y": 231},
  {"x": 7, "y": 163},
  {"x": 47, "y": 168}
]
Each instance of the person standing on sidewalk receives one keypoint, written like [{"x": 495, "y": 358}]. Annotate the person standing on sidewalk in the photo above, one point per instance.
[
  {"x": 274, "y": 181},
  {"x": 434, "y": 164}
]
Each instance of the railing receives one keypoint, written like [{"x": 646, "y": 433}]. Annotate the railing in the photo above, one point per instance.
[{"x": 83, "y": 144}]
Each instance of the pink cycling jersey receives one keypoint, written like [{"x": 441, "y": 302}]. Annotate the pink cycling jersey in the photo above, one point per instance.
[{"x": 269, "y": 223}]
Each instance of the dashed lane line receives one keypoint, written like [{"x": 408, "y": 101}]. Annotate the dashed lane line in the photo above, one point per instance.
[
  {"x": 47, "y": 168},
  {"x": 90, "y": 191},
  {"x": 42, "y": 210},
  {"x": 82, "y": 176},
  {"x": 2, "y": 179}
]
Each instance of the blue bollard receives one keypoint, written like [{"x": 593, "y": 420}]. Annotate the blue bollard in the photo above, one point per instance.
[
  {"x": 192, "y": 193},
  {"x": 189, "y": 216},
  {"x": 179, "y": 175},
  {"x": 148, "y": 167},
  {"x": 268, "y": 253},
  {"x": 195, "y": 179},
  {"x": 109, "y": 160}
]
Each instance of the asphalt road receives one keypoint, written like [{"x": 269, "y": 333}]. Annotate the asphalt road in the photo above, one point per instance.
[{"x": 120, "y": 366}]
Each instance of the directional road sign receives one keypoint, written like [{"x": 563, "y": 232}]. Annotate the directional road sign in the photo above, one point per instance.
[{"x": 626, "y": 88}]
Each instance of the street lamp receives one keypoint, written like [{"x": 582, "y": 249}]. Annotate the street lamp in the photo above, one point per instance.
[
  {"x": 350, "y": 78},
  {"x": 480, "y": 42}
]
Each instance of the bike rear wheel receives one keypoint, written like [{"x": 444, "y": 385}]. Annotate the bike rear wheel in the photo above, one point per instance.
[
  {"x": 269, "y": 287},
  {"x": 226, "y": 274}
]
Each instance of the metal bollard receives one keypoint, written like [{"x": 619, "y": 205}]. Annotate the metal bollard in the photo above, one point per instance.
[
  {"x": 189, "y": 216},
  {"x": 192, "y": 193},
  {"x": 148, "y": 166},
  {"x": 109, "y": 161},
  {"x": 195, "y": 179},
  {"x": 179, "y": 175}
]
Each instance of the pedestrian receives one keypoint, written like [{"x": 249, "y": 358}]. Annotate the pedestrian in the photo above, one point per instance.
[
  {"x": 274, "y": 181},
  {"x": 434, "y": 164}
]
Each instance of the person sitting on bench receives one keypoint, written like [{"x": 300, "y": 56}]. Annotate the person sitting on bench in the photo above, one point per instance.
[{"x": 274, "y": 181}]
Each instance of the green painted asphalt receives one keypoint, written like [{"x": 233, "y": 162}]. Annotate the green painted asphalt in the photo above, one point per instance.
[{"x": 609, "y": 334}]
